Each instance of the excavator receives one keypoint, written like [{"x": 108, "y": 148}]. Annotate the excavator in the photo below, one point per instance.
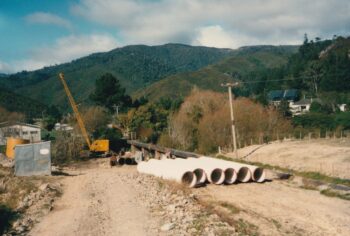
[{"x": 98, "y": 147}]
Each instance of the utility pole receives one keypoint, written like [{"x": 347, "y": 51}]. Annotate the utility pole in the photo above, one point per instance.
[
  {"x": 116, "y": 108},
  {"x": 229, "y": 87}
]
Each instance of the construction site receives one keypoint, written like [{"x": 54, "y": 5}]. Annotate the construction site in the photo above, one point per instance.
[
  {"x": 286, "y": 187},
  {"x": 174, "y": 118}
]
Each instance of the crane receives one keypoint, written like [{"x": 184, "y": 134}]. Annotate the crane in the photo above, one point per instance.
[{"x": 100, "y": 146}]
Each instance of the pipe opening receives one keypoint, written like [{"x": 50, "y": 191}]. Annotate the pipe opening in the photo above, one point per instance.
[
  {"x": 259, "y": 175},
  {"x": 129, "y": 161},
  {"x": 217, "y": 176},
  {"x": 230, "y": 176},
  {"x": 189, "y": 179},
  {"x": 244, "y": 174},
  {"x": 199, "y": 173},
  {"x": 121, "y": 161}
]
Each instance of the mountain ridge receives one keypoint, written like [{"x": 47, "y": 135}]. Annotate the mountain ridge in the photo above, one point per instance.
[{"x": 135, "y": 67}]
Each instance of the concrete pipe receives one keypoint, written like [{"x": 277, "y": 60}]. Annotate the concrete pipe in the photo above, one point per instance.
[
  {"x": 213, "y": 173},
  {"x": 121, "y": 161},
  {"x": 182, "y": 165},
  {"x": 145, "y": 167},
  {"x": 166, "y": 170},
  {"x": 130, "y": 161},
  {"x": 199, "y": 172},
  {"x": 229, "y": 172},
  {"x": 243, "y": 173},
  {"x": 230, "y": 175},
  {"x": 258, "y": 173}
]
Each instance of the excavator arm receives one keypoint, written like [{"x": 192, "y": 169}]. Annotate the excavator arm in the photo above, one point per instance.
[
  {"x": 76, "y": 111},
  {"x": 97, "y": 146}
]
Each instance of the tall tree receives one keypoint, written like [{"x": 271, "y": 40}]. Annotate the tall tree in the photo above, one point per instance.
[{"x": 109, "y": 93}]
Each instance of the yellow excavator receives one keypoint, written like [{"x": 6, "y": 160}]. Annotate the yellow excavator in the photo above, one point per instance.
[{"x": 97, "y": 147}]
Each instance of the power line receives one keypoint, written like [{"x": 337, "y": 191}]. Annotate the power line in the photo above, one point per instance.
[
  {"x": 264, "y": 81},
  {"x": 274, "y": 80}
]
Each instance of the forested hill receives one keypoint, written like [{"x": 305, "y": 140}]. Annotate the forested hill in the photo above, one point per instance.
[
  {"x": 135, "y": 66},
  {"x": 245, "y": 63},
  {"x": 319, "y": 68},
  {"x": 18, "y": 103}
]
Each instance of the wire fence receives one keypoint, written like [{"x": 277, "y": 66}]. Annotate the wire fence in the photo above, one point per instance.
[
  {"x": 249, "y": 140},
  {"x": 330, "y": 166}
]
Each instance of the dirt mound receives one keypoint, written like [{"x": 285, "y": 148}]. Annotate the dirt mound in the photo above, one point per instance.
[{"x": 329, "y": 157}]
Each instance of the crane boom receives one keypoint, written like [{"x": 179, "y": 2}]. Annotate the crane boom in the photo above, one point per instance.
[{"x": 75, "y": 110}]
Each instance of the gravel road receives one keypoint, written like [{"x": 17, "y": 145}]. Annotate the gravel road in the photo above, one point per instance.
[{"x": 100, "y": 200}]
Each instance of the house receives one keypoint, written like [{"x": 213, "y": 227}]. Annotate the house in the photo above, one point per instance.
[
  {"x": 19, "y": 130},
  {"x": 63, "y": 127},
  {"x": 342, "y": 107},
  {"x": 276, "y": 96},
  {"x": 302, "y": 106}
]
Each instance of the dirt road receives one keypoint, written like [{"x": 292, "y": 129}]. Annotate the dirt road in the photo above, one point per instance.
[
  {"x": 100, "y": 200},
  {"x": 279, "y": 208},
  {"x": 96, "y": 202}
]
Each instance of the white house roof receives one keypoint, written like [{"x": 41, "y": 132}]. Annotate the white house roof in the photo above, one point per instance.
[
  {"x": 12, "y": 123},
  {"x": 307, "y": 101}
]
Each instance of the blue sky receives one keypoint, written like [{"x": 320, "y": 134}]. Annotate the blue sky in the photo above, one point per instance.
[{"x": 37, "y": 33}]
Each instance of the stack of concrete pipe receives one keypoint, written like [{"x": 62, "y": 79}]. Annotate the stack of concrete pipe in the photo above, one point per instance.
[
  {"x": 196, "y": 171},
  {"x": 168, "y": 169},
  {"x": 125, "y": 161}
]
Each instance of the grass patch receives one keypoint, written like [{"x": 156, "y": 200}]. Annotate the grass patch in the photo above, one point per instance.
[
  {"x": 233, "y": 209},
  {"x": 308, "y": 174},
  {"x": 2, "y": 149},
  {"x": 245, "y": 228},
  {"x": 200, "y": 223},
  {"x": 308, "y": 187},
  {"x": 276, "y": 223},
  {"x": 331, "y": 193},
  {"x": 7, "y": 216},
  {"x": 227, "y": 212},
  {"x": 173, "y": 187},
  {"x": 325, "y": 178}
]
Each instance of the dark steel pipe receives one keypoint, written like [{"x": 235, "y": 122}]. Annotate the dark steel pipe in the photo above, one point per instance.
[{"x": 153, "y": 147}]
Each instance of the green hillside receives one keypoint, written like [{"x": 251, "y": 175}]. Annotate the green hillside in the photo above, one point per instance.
[
  {"x": 244, "y": 63},
  {"x": 18, "y": 103},
  {"x": 135, "y": 66}
]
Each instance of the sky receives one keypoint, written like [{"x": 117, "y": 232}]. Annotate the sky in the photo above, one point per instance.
[{"x": 38, "y": 33}]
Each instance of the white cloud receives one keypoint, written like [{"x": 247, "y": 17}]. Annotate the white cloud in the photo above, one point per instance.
[
  {"x": 258, "y": 21},
  {"x": 48, "y": 19},
  {"x": 71, "y": 47},
  {"x": 5, "y": 67},
  {"x": 63, "y": 50},
  {"x": 215, "y": 36}
]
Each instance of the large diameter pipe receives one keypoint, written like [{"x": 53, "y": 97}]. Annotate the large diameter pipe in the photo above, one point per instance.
[
  {"x": 121, "y": 161},
  {"x": 130, "y": 161},
  {"x": 183, "y": 165},
  {"x": 230, "y": 175},
  {"x": 199, "y": 172},
  {"x": 243, "y": 172},
  {"x": 258, "y": 173},
  {"x": 153, "y": 147},
  {"x": 229, "y": 172},
  {"x": 213, "y": 173},
  {"x": 165, "y": 170}
]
